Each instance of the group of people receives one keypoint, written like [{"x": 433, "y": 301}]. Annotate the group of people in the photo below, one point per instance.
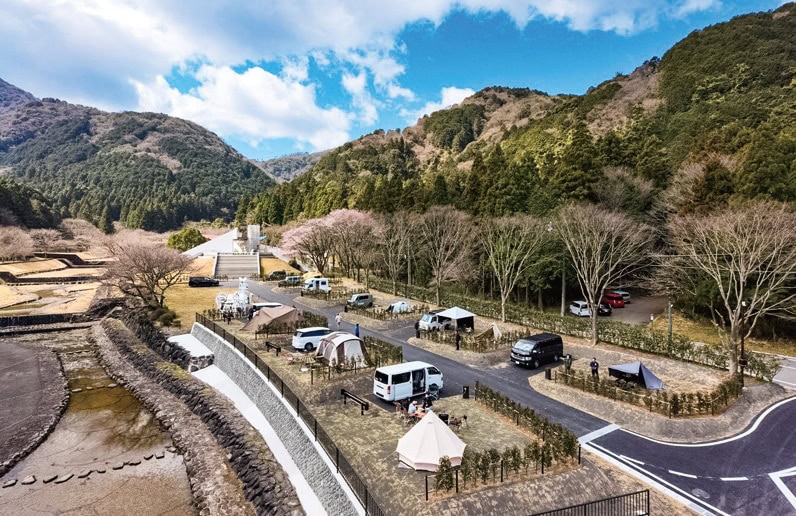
[{"x": 413, "y": 410}]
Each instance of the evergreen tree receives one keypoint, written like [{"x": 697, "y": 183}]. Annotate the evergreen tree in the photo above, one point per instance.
[
  {"x": 439, "y": 193},
  {"x": 576, "y": 170},
  {"x": 105, "y": 223}
]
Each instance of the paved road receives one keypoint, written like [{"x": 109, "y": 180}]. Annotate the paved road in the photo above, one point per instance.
[
  {"x": 752, "y": 473},
  {"x": 732, "y": 476},
  {"x": 787, "y": 376}
]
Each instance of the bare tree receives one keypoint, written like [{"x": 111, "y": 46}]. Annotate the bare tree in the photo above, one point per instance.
[
  {"x": 312, "y": 241},
  {"x": 144, "y": 270},
  {"x": 14, "y": 243},
  {"x": 446, "y": 243},
  {"x": 605, "y": 247},
  {"x": 45, "y": 239},
  {"x": 83, "y": 233},
  {"x": 510, "y": 245},
  {"x": 352, "y": 234},
  {"x": 748, "y": 254},
  {"x": 394, "y": 233}
]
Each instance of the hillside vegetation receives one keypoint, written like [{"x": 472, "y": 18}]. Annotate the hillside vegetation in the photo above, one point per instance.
[
  {"x": 148, "y": 170},
  {"x": 711, "y": 123}
]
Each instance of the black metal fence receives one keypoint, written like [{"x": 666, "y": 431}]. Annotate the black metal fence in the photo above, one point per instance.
[
  {"x": 631, "y": 504},
  {"x": 342, "y": 465}
]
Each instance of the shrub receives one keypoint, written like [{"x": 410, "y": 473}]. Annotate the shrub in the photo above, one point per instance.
[{"x": 444, "y": 477}]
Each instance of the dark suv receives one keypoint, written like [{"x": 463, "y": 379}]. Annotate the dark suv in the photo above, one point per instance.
[
  {"x": 202, "y": 281},
  {"x": 537, "y": 349}
]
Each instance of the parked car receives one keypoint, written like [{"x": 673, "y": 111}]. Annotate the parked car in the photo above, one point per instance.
[
  {"x": 604, "y": 309},
  {"x": 293, "y": 280},
  {"x": 401, "y": 381},
  {"x": 307, "y": 339},
  {"x": 277, "y": 276},
  {"x": 360, "y": 301},
  {"x": 537, "y": 349},
  {"x": 580, "y": 308},
  {"x": 625, "y": 295},
  {"x": 432, "y": 321},
  {"x": 613, "y": 299},
  {"x": 202, "y": 281}
]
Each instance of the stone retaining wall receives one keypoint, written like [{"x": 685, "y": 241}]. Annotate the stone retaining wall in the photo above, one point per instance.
[
  {"x": 218, "y": 443},
  {"x": 301, "y": 447}
]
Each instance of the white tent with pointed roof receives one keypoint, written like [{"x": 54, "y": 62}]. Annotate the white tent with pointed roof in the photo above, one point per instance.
[{"x": 427, "y": 442}]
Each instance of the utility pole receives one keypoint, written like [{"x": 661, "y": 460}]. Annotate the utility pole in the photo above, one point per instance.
[
  {"x": 669, "y": 304},
  {"x": 742, "y": 361}
]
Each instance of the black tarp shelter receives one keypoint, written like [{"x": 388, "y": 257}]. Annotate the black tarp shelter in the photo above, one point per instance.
[{"x": 636, "y": 372}]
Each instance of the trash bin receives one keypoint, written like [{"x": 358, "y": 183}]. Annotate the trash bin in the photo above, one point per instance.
[
  {"x": 548, "y": 374},
  {"x": 466, "y": 392}
]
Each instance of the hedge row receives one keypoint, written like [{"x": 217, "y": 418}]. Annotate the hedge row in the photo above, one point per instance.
[
  {"x": 558, "y": 441},
  {"x": 672, "y": 405},
  {"x": 621, "y": 334},
  {"x": 382, "y": 353}
]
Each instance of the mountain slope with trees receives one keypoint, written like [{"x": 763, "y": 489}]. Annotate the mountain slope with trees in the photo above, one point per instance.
[
  {"x": 709, "y": 124},
  {"x": 148, "y": 170}
]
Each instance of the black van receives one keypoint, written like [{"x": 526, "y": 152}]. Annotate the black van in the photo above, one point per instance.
[{"x": 537, "y": 349}]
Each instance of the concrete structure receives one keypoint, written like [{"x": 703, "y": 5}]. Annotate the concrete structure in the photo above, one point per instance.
[{"x": 319, "y": 471}]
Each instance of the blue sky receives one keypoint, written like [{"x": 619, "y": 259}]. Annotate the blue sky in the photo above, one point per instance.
[{"x": 281, "y": 76}]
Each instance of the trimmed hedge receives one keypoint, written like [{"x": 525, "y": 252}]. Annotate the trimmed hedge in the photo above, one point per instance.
[{"x": 631, "y": 336}]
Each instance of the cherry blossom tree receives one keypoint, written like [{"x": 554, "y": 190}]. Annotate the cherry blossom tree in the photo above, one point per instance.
[{"x": 311, "y": 241}]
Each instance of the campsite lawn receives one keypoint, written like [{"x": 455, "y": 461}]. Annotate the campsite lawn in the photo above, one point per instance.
[{"x": 32, "y": 266}]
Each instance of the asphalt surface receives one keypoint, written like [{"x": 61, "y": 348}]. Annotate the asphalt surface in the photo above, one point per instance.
[
  {"x": 732, "y": 476},
  {"x": 787, "y": 375}
]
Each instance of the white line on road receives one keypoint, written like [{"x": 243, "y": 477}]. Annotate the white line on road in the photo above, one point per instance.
[
  {"x": 734, "y": 479},
  {"x": 777, "y": 478},
  {"x": 788, "y": 367},
  {"x": 687, "y": 499},
  {"x": 784, "y": 382},
  {"x": 727, "y": 440},
  {"x": 679, "y": 474},
  {"x": 597, "y": 433},
  {"x": 625, "y": 457}
]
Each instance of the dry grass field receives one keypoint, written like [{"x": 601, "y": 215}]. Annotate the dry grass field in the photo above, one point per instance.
[
  {"x": 32, "y": 266},
  {"x": 269, "y": 265},
  {"x": 203, "y": 266}
]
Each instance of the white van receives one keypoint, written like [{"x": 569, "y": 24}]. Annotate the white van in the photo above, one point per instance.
[
  {"x": 401, "y": 381},
  {"x": 317, "y": 285},
  {"x": 432, "y": 321}
]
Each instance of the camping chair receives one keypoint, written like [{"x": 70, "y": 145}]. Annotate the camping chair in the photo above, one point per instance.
[{"x": 433, "y": 393}]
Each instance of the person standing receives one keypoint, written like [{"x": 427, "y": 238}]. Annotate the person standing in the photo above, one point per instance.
[
  {"x": 458, "y": 340},
  {"x": 338, "y": 319},
  {"x": 595, "y": 368},
  {"x": 417, "y": 329},
  {"x": 356, "y": 330}
]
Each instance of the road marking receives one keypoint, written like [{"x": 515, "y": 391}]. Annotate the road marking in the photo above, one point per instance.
[
  {"x": 776, "y": 477},
  {"x": 734, "y": 479},
  {"x": 784, "y": 382},
  {"x": 679, "y": 474},
  {"x": 788, "y": 367},
  {"x": 727, "y": 440},
  {"x": 625, "y": 457},
  {"x": 598, "y": 433},
  {"x": 693, "y": 503}
]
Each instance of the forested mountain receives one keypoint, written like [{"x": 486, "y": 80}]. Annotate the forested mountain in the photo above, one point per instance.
[
  {"x": 148, "y": 170},
  {"x": 286, "y": 168},
  {"x": 712, "y": 122},
  {"x": 24, "y": 206}
]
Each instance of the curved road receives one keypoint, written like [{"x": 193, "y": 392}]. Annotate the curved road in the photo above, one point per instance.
[{"x": 749, "y": 474}]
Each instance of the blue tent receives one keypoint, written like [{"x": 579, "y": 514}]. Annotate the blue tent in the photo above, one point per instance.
[{"x": 636, "y": 372}]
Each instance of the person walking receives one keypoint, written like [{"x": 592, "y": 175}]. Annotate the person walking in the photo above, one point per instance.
[
  {"x": 338, "y": 319},
  {"x": 356, "y": 330},
  {"x": 417, "y": 329},
  {"x": 458, "y": 340},
  {"x": 595, "y": 368}
]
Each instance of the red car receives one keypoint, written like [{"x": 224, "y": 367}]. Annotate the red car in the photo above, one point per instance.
[{"x": 614, "y": 300}]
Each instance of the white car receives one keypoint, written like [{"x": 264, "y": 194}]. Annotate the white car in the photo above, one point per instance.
[
  {"x": 580, "y": 308},
  {"x": 399, "y": 307},
  {"x": 625, "y": 295},
  {"x": 307, "y": 339}
]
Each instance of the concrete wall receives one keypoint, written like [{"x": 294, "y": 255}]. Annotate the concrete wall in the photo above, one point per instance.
[{"x": 313, "y": 462}]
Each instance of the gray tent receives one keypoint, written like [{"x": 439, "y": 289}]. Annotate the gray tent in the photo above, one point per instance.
[{"x": 636, "y": 372}]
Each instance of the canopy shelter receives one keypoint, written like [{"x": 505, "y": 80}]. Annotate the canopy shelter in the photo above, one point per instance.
[
  {"x": 462, "y": 319},
  {"x": 338, "y": 347},
  {"x": 272, "y": 316},
  {"x": 636, "y": 372},
  {"x": 427, "y": 442},
  {"x": 491, "y": 333}
]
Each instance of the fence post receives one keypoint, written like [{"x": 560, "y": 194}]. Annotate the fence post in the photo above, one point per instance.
[
  {"x": 337, "y": 458},
  {"x": 315, "y": 424},
  {"x": 579, "y": 447},
  {"x": 297, "y": 406},
  {"x": 282, "y": 388},
  {"x": 366, "y": 500},
  {"x": 426, "y": 487},
  {"x": 457, "y": 480},
  {"x": 501, "y": 471}
]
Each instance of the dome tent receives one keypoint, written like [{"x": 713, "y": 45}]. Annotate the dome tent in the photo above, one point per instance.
[
  {"x": 427, "y": 442},
  {"x": 339, "y": 347}
]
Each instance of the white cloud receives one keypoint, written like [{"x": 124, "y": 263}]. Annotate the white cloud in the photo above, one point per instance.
[
  {"x": 252, "y": 105},
  {"x": 691, "y": 6},
  {"x": 356, "y": 86},
  {"x": 449, "y": 96}
]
